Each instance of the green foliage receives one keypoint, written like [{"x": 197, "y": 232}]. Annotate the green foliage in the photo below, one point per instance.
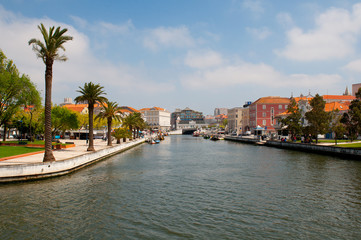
[
  {"x": 352, "y": 119},
  {"x": 91, "y": 94},
  {"x": 134, "y": 121},
  {"x": 53, "y": 42},
  {"x": 63, "y": 119},
  {"x": 15, "y": 90},
  {"x": 293, "y": 120},
  {"x": 337, "y": 127},
  {"x": 120, "y": 133},
  {"x": 318, "y": 118},
  {"x": 110, "y": 111}
]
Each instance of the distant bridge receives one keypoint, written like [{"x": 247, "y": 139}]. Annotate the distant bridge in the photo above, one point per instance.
[{"x": 188, "y": 131}]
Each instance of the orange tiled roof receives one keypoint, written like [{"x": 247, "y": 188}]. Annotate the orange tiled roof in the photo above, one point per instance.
[
  {"x": 297, "y": 99},
  {"x": 336, "y": 105},
  {"x": 339, "y": 97},
  {"x": 153, "y": 108},
  {"x": 76, "y": 107},
  {"x": 272, "y": 100},
  {"x": 128, "y": 109}
]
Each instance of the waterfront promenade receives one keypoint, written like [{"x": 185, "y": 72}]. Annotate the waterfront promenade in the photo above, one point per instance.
[
  {"x": 67, "y": 160},
  {"x": 61, "y": 154}
]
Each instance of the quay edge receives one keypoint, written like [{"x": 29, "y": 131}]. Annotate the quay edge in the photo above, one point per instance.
[
  {"x": 348, "y": 153},
  {"x": 35, "y": 171}
]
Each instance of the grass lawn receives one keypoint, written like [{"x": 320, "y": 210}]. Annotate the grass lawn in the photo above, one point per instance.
[
  {"x": 7, "y": 151},
  {"x": 332, "y": 140},
  {"x": 35, "y": 142},
  {"x": 351, "y": 145}
]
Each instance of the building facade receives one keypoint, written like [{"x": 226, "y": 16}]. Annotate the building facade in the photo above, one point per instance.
[
  {"x": 262, "y": 113},
  {"x": 157, "y": 118},
  {"x": 219, "y": 111},
  {"x": 355, "y": 88},
  {"x": 235, "y": 120},
  {"x": 181, "y": 118}
]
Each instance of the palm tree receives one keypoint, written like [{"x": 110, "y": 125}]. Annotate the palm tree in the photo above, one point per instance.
[
  {"x": 109, "y": 112},
  {"x": 48, "y": 51},
  {"x": 91, "y": 93},
  {"x": 139, "y": 122},
  {"x": 129, "y": 122},
  {"x": 121, "y": 133}
]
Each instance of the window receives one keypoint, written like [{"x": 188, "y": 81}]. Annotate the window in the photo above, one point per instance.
[
  {"x": 263, "y": 106},
  {"x": 264, "y": 114},
  {"x": 286, "y": 106},
  {"x": 264, "y": 122},
  {"x": 279, "y": 106}
]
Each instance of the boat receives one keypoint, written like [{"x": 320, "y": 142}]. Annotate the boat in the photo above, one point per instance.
[
  {"x": 214, "y": 138},
  {"x": 196, "y": 134}
]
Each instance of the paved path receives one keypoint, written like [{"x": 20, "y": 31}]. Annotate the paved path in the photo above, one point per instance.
[{"x": 79, "y": 149}]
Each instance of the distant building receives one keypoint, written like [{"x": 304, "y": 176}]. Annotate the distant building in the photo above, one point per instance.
[
  {"x": 235, "y": 120},
  {"x": 262, "y": 113},
  {"x": 219, "y": 111},
  {"x": 355, "y": 88},
  {"x": 125, "y": 110},
  {"x": 67, "y": 101},
  {"x": 186, "y": 118},
  {"x": 157, "y": 117}
]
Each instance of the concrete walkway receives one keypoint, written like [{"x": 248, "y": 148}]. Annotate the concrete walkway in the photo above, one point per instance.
[{"x": 79, "y": 149}]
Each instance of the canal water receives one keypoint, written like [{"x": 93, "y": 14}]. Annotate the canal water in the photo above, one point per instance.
[{"x": 191, "y": 188}]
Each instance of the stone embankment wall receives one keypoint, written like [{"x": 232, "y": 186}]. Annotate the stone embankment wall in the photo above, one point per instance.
[
  {"x": 338, "y": 151},
  {"x": 10, "y": 173},
  {"x": 241, "y": 139}
]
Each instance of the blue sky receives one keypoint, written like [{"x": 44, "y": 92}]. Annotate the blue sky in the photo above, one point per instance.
[{"x": 200, "y": 54}]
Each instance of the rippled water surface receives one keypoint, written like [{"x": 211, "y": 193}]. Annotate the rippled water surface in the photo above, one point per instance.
[{"x": 191, "y": 188}]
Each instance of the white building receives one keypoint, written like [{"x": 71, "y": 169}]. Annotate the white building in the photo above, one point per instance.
[{"x": 157, "y": 117}]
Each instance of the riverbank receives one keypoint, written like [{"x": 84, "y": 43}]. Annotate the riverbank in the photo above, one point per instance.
[
  {"x": 67, "y": 160},
  {"x": 321, "y": 148}
]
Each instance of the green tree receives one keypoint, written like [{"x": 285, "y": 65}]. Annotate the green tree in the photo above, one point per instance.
[
  {"x": 91, "y": 94},
  {"x": 352, "y": 119},
  {"x": 110, "y": 111},
  {"x": 337, "y": 127},
  {"x": 318, "y": 118},
  {"x": 129, "y": 122},
  {"x": 15, "y": 91},
  {"x": 48, "y": 51},
  {"x": 63, "y": 119},
  {"x": 121, "y": 133},
  {"x": 293, "y": 119}
]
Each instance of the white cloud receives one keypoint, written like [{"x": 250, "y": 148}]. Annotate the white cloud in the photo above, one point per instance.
[
  {"x": 254, "y": 6},
  {"x": 203, "y": 59},
  {"x": 333, "y": 37},
  {"x": 82, "y": 66},
  {"x": 285, "y": 19},
  {"x": 259, "y": 33},
  {"x": 354, "y": 66},
  {"x": 168, "y": 37},
  {"x": 261, "y": 75}
]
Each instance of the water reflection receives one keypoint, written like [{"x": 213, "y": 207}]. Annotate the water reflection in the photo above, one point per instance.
[{"x": 190, "y": 187}]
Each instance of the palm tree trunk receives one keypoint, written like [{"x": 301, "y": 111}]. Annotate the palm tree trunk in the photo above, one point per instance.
[
  {"x": 109, "y": 131},
  {"x": 91, "y": 139},
  {"x": 48, "y": 155},
  {"x": 5, "y": 127}
]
